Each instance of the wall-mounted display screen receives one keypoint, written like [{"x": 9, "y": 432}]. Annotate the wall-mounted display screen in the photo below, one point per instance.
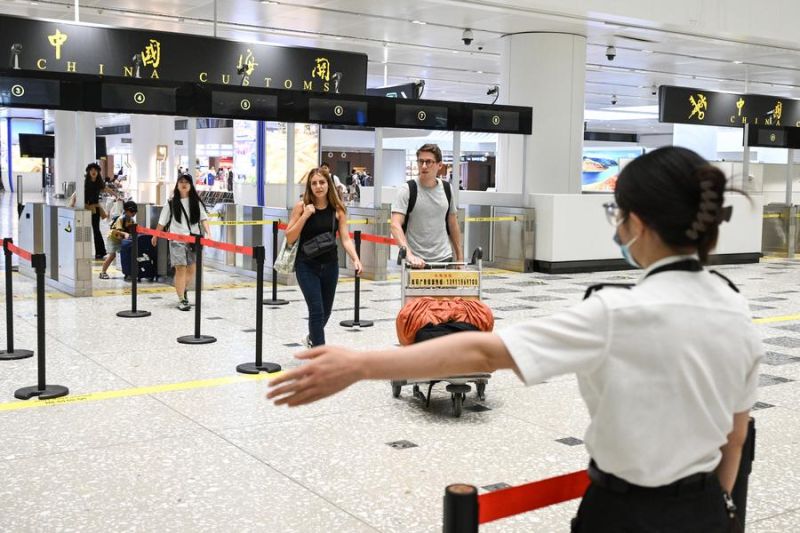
[
  {"x": 245, "y": 150},
  {"x": 601, "y": 167},
  {"x": 306, "y": 151}
]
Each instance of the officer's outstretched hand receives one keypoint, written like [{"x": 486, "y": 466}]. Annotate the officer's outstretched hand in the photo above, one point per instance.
[{"x": 329, "y": 370}]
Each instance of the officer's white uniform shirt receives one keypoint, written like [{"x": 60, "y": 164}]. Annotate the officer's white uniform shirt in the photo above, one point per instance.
[{"x": 662, "y": 367}]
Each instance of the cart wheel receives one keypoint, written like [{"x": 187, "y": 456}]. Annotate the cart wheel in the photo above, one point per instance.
[
  {"x": 396, "y": 390},
  {"x": 418, "y": 394},
  {"x": 458, "y": 403},
  {"x": 481, "y": 389}
]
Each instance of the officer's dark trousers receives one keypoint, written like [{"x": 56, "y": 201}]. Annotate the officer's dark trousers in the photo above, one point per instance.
[{"x": 643, "y": 511}]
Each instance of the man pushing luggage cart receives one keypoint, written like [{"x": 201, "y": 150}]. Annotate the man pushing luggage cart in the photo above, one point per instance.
[{"x": 456, "y": 287}]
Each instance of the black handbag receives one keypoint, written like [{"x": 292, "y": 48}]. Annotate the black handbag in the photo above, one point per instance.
[{"x": 322, "y": 243}]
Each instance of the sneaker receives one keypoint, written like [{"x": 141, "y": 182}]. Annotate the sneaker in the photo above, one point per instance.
[
  {"x": 307, "y": 342},
  {"x": 184, "y": 305},
  {"x": 103, "y": 275}
]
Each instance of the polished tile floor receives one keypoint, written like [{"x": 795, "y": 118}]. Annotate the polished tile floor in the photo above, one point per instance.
[{"x": 215, "y": 456}]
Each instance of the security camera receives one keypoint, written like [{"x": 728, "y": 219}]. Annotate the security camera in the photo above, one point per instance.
[
  {"x": 653, "y": 90},
  {"x": 611, "y": 53},
  {"x": 614, "y": 100},
  {"x": 467, "y": 37}
]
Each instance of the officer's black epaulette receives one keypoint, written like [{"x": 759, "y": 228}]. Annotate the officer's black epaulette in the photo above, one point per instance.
[
  {"x": 594, "y": 288},
  {"x": 729, "y": 282}
]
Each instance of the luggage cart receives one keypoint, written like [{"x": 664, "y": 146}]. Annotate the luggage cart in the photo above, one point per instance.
[{"x": 443, "y": 280}]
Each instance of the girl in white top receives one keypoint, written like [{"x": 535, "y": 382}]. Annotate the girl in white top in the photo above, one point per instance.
[
  {"x": 183, "y": 214},
  {"x": 668, "y": 369}
]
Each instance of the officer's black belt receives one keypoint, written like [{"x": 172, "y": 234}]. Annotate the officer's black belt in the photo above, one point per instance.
[{"x": 688, "y": 485}]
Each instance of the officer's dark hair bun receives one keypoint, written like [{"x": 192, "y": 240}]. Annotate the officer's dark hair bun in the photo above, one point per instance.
[{"x": 678, "y": 194}]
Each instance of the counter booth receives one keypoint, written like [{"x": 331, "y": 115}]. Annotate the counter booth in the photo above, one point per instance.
[{"x": 248, "y": 221}]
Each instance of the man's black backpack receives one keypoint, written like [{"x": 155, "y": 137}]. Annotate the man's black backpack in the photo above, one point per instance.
[{"x": 412, "y": 200}]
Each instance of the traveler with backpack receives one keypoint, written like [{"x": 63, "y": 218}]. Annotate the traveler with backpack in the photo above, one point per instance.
[
  {"x": 183, "y": 214},
  {"x": 118, "y": 232},
  {"x": 432, "y": 234}
]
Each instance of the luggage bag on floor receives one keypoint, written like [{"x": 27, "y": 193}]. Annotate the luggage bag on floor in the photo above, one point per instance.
[{"x": 146, "y": 261}]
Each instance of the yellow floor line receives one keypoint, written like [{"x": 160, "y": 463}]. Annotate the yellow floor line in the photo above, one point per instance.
[
  {"x": 138, "y": 391},
  {"x": 773, "y": 319}
]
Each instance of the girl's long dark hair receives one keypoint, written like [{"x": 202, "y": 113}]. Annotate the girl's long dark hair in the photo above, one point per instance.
[{"x": 194, "y": 201}]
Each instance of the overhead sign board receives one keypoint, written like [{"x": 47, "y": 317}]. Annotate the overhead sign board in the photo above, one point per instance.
[
  {"x": 56, "y": 46},
  {"x": 685, "y": 105}
]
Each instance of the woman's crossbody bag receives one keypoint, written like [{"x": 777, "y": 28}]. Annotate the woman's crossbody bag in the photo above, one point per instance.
[{"x": 322, "y": 243}]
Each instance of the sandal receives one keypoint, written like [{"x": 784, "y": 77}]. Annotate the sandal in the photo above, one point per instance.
[{"x": 103, "y": 275}]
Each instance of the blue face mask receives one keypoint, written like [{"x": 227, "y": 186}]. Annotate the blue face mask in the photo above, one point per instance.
[{"x": 626, "y": 249}]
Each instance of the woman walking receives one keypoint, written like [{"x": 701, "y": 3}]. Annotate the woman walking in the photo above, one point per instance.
[
  {"x": 314, "y": 221},
  {"x": 184, "y": 214}
]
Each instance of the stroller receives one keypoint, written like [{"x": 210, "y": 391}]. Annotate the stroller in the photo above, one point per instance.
[{"x": 463, "y": 280}]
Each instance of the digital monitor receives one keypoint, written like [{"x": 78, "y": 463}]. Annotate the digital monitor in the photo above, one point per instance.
[
  {"x": 100, "y": 147},
  {"x": 32, "y": 145},
  {"x": 421, "y": 116},
  {"x": 138, "y": 98},
  {"x": 244, "y": 105},
  {"x": 327, "y": 111}
]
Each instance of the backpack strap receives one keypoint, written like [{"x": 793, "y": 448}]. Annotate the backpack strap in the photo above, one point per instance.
[
  {"x": 412, "y": 200},
  {"x": 449, "y": 194}
]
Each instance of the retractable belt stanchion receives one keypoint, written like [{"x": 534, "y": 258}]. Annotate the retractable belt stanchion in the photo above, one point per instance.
[
  {"x": 10, "y": 353},
  {"x": 460, "y": 509},
  {"x": 357, "y": 307},
  {"x": 274, "y": 300},
  {"x": 197, "y": 338},
  {"x": 133, "y": 312},
  {"x": 259, "y": 365},
  {"x": 42, "y": 389}
]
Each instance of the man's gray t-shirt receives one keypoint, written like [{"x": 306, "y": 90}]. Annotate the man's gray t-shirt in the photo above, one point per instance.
[{"x": 426, "y": 233}]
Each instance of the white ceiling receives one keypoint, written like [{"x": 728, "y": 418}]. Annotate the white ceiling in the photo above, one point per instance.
[{"x": 434, "y": 51}]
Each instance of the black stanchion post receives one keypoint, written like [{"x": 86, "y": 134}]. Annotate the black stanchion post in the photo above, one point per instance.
[
  {"x": 460, "y": 509},
  {"x": 274, "y": 300},
  {"x": 133, "y": 312},
  {"x": 259, "y": 365},
  {"x": 357, "y": 309},
  {"x": 739, "y": 495},
  {"x": 42, "y": 389},
  {"x": 197, "y": 338},
  {"x": 10, "y": 353}
]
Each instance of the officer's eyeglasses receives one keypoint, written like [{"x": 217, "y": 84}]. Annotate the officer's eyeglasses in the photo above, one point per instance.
[
  {"x": 426, "y": 162},
  {"x": 613, "y": 213}
]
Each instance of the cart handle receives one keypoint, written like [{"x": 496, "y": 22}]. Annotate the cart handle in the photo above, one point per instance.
[{"x": 477, "y": 255}]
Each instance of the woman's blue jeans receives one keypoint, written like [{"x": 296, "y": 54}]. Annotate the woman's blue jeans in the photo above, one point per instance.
[{"x": 318, "y": 283}]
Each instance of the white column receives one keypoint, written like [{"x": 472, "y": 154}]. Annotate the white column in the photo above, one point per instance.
[
  {"x": 147, "y": 133},
  {"x": 377, "y": 171},
  {"x": 75, "y": 148},
  {"x": 290, "y": 185},
  {"x": 546, "y": 71},
  {"x": 192, "y": 145}
]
